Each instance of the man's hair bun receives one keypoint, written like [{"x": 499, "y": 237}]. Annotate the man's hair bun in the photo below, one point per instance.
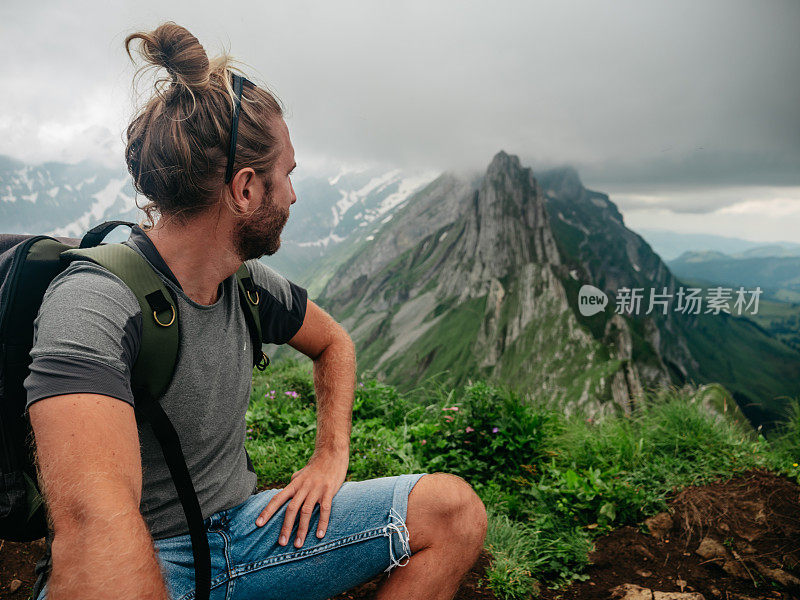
[
  {"x": 178, "y": 141},
  {"x": 178, "y": 51}
]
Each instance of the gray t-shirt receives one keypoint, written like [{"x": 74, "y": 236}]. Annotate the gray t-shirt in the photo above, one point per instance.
[{"x": 87, "y": 338}]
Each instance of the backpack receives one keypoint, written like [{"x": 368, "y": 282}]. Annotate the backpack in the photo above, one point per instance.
[{"x": 27, "y": 266}]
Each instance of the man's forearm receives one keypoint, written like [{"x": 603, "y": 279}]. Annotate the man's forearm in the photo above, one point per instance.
[
  {"x": 334, "y": 381},
  {"x": 111, "y": 556}
]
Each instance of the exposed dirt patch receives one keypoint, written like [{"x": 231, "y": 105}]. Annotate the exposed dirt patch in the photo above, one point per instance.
[
  {"x": 17, "y": 561},
  {"x": 746, "y": 530}
]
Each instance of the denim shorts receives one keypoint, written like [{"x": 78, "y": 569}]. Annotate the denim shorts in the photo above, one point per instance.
[{"x": 366, "y": 536}]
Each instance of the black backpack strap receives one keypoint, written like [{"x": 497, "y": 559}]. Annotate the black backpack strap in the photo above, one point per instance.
[
  {"x": 97, "y": 234},
  {"x": 152, "y": 373},
  {"x": 249, "y": 297},
  {"x": 166, "y": 435}
]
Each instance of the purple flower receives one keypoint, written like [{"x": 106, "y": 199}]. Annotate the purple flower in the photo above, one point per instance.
[{"x": 495, "y": 429}]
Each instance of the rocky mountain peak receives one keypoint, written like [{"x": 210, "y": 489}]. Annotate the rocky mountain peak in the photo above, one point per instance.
[{"x": 503, "y": 163}]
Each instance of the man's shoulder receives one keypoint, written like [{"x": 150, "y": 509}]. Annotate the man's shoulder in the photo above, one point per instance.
[
  {"x": 86, "y": 284},
  {"x": 272, "y": 282}
]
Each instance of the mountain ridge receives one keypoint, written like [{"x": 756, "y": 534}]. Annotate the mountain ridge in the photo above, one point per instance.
[{"x": 499, "y": 258}]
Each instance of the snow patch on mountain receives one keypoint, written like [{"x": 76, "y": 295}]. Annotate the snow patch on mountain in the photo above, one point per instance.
[
  {"x": 352, "y": 197},
  {"x": 406, "y": 187},
  {"x": 105, "y": 199},
  {"x": 332, "y": 238}
]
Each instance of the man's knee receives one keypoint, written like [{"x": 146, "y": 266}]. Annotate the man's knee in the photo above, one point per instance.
[{"x": 449, "y": 508}]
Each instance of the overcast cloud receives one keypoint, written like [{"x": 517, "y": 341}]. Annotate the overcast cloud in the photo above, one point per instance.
[{"x": 693, "y": 105}]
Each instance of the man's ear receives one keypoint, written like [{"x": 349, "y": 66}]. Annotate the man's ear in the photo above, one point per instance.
[{"x": 243, "y": 192}]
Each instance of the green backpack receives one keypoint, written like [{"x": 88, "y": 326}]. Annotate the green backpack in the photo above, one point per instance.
[{"x": 27, "y": 266}]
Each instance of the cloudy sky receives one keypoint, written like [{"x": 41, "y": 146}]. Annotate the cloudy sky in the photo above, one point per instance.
[{"x": 686, "y": 112}]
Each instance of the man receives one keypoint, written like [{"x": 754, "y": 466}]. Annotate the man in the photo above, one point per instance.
[{"x": 118, "y": 530}]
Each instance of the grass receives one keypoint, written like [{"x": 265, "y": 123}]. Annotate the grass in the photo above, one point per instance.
[{"x": 551, "y": 483}]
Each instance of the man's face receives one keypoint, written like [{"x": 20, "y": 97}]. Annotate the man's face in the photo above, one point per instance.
[{"x": 260, "y": 233}]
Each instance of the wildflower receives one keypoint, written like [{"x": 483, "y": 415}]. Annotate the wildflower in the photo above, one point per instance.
[
  {"x": 469, "y": 429},
  {"x": 794, "y": 464},
  {"x": 423, "y": 442},
  {"x": 450, "y": 408},
  {"x": 448, "y": 419},
  {"x": 495, "y": 429}
]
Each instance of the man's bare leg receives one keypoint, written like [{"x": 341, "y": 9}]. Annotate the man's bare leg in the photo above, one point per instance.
[{"x": 446, "y": 521}]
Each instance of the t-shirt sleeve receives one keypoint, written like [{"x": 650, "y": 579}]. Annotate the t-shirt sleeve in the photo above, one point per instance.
[
  {"x": 283, "y": 305},
  {"x": 86, "y": 336}
]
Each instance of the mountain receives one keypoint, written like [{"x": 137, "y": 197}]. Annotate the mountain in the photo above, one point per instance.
[
  {"x": 67, "y": 200},
  {"x": 62, "y": 199},
  {"x": 346, "y": 205},
  {"x": 480, "y": 277},
  {"x": 759, "y": 370},
  {"x": 671, "y": 244},
  {"x": 750, "y": 269},
  {"x": 467, "y": 278}
]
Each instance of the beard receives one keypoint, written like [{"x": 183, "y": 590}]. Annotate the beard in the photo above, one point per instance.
[{"x": 260, "y": 233}]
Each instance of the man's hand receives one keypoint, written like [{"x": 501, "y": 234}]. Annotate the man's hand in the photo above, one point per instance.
[{"x": 316, "y": 483}]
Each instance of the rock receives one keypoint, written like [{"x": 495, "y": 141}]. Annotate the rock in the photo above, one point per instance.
[
  {"x": 750, "y": 533},
  {"x": 14, "y": 585},
  {"x": 715, "y": 591},
  {"x": 779, "y": 575},
  {"x": 629, "y": 591},
  {"x": 710, "y": 548},
  {"x": 659, "y": 525},
  {"x": 39, "y": 544},
  {"x": 640, "y": 549},
  {"x": 645, "y": 574},
  {"x": 735, "y": 568},
  {"x": 678, "y": 596}
]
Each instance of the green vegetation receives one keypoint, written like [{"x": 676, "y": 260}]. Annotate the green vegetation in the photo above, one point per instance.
[{"x": 551, "y": 482}]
